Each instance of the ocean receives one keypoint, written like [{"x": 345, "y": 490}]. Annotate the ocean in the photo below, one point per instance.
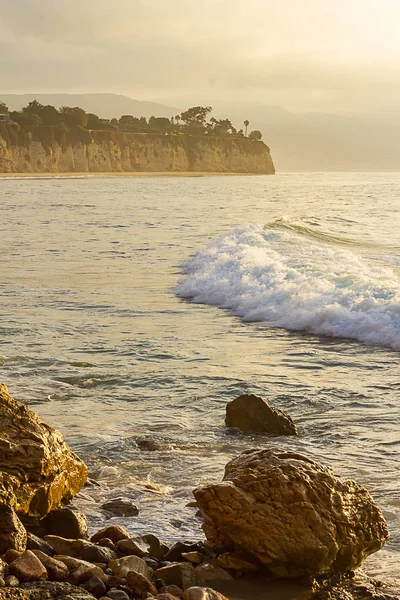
[{"x": 134, "y": 309}]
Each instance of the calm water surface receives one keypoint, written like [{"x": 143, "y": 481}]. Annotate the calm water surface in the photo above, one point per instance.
[{"x": 95, "y": 340}]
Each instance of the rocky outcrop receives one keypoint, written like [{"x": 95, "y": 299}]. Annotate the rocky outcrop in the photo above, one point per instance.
[
  {"x": 251, "y": 413},
  {"x": 124, "y": 152},
  {"x": 290, "y": 515},
  {"x": 38, "y": 471}
]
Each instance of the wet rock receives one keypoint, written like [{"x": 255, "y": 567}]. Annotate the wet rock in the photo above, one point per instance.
[
  {"x": 56, "y": 570},
  {"x": 252, "y": 413},
  {"x": 117, "y": 595},
  {"x": 209, "y": 572},
  {"x": 11, "y": 581},
  {"x": 96, "y": 587},
  {"x": 28, "y": 567},
  {"x": 193, "y": 557},
  {"x": 38, "y": 471},
  {"x": 183, "y": 575},
  {"x": 98, "y": 554},
  {"x": 174, "y": 590},
  {"x": 157, "y": 549},
  {"x": 291, "y": 515},
  {"x": 52, "y": 590},
  {"x": 122, "y": 566},
  {"x": 12, "y": 532},
  {"x": 66, "y": 523},
  {"x": 152, "y": 445},
  {"x": 175, "y": 553},
  {"x": 203, "y": 593},
  {"x": 115, "y": 533},
  {"x": 139, "y": 584},
  {"x": 121, "y": 507},
  {"x": 67, "y": 546}
]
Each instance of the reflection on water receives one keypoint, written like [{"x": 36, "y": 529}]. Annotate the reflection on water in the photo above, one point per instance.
[{"x": 94, "y": 339}]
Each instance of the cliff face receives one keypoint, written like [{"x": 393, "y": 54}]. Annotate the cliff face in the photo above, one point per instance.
[{"x": 137, "y": 152}]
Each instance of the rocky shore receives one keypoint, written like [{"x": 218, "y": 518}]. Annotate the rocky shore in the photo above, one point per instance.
[{"x": 276, "y": 517}]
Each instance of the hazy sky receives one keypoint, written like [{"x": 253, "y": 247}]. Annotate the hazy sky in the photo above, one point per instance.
[{"x": 325, "y": 55}]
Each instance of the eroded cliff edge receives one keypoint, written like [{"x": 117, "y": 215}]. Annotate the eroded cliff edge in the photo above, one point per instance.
[{"x": 130, "y": 152}]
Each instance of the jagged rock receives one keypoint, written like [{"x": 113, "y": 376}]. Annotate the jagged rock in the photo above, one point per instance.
[
  {"x": 112, "y": 532},
  {"x": 157, "y": 549},
  {"x": 201, "y": 593},
  {"x": 183, "y": 575},
  {"x": 98, "y": 554},
  {"x": 51, "y": 590},
  {"x": 56, "y": 570},
  {"x": 66, "y": 523},
  {"x": 122, "y": 566},
  {"x": 36, "y": 543},
  {"x": 139, "y": 584},
  {"x": 12, "y": 532},
  {"x": 121, "y": 507},
  {"x": 38, "y": 471},
  {"x": 291, "y": 515},
  {"x": 175, "y": 553},
  {"x": 208, "y": 572},
  {"x": 28, "y": 567},
  {"x": 66, "y": 546},
  {"x": 252, "y": 413}
]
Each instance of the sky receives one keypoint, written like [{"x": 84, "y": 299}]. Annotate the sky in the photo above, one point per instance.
[{"x": 339, "y": 56}]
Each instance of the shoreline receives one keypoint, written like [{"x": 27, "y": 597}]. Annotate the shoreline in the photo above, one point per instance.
[{"x": 104, "y": 174}]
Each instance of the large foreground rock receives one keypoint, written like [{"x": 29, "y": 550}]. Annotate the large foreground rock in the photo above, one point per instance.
[
  {"x": 38, "y": 471},
  {"x": 290, "y": 515},
  {"x": 251, "y": 413}
]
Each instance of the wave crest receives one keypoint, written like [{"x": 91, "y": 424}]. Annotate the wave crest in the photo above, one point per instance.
[{"x": 281, "y": 277}]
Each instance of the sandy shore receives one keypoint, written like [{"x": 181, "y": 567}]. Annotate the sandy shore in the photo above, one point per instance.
[{"x": 123, "y": 174}]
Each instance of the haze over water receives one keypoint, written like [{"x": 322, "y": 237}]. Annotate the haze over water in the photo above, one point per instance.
[{"x": 99, "y": 338}]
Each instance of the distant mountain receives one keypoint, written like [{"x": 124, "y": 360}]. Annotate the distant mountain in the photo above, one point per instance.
[{"x": 106, "y": 106}]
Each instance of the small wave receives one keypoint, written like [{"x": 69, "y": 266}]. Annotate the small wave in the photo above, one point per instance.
[{"x": 278, "y": 276}]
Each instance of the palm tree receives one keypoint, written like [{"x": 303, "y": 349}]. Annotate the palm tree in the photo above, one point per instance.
[{"x": 246, "y": 124}]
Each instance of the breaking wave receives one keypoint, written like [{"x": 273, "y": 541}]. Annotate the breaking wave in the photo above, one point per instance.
[{"x": 280, "y": 275}]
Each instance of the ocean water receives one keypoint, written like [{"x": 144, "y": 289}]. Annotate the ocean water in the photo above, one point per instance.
[{"x": 135, "y": 309}]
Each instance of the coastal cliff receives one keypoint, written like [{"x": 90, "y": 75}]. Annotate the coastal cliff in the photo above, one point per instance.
[{"x": 99, "y": 151}]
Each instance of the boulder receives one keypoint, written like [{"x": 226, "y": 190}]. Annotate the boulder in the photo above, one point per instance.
[
  {"x": 28, "y": 567},
  {"x": 66, "y": 523},
  {"x": 183, "y": 575},
  {"x": 175, "y": 553},
  {"x": 51, "y": 590},
  {"x": 200, "y": 593},
  {"x": 56, "y": 570},
  {"x": 96, "y": 587},
  {"x": 121, "y": 507},
  {"x": 209, "y": 572},
  {"x": 36, "y": 543},
  {"x": 121, "y": 566},
  {"x": 134, "y": 547},
  {"x": 290, "y": 515},
  {"x": 38, "y": 471},
  {"x": 98, "y": 554},
  {"x": 139, "y": 584},
  {"x": 115, "y": 533},
  {"x": 66, "y": 546},
  {"x": 252, "y": 413},
  {"x": 12, "y": 532}
]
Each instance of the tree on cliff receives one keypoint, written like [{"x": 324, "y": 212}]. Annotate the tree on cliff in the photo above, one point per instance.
[
  {"x": 246, "y": 124},
  {"x": 221, "y": 127},
  {"x": 3, "y": 108},
  {"x": 195, "y": 118},
  {"x": 74, "y": 116},
  {"x": 255, "y": 135}
]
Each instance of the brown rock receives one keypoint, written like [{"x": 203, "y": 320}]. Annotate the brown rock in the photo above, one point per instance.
[
  {"x": 66, "y": 523},
  {"x": 66, "y": 546},
  {"x": 96, "y": 587},
  {"x": 28, "y": 567},
  {"x": 236, "y": 563},
  {"x": 121, "y": 507},
  {"x": 252, "y": 413},
  {"x": 38, "y": 471},
  {"x": 12, "y": 532},
  {"x": 201, "y": 593},
  {"x": 98, "y": 554},
  {"x": 81, "y": 569},
  {"x": 183, "y": 575},
  {"x": 113, "y": 533},
  {"x": 56, "y": 570},
  {"x": 174, "y": 590},
  {"x": 291, "y": 515},
  {"x": 166, "y": 596},
  {"x": 134, "y": 547},
  {"x": 139, "y": 584},
  {"x": 193, "y": 557},
  {"x": 208, "y": 572},
  {"x": 52, "y": 590},
  {"x": 122, "y": 566},
  {"x": 36, "y": 543},
  {"x": 11, "y": 555},
  {"x": 11, "y": 581}
]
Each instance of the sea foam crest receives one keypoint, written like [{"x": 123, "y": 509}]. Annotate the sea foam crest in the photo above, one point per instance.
[{"x": 287, "y": 280}]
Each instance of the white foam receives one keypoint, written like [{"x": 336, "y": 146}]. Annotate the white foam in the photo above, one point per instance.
[{"x": 287, "y": 280}]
